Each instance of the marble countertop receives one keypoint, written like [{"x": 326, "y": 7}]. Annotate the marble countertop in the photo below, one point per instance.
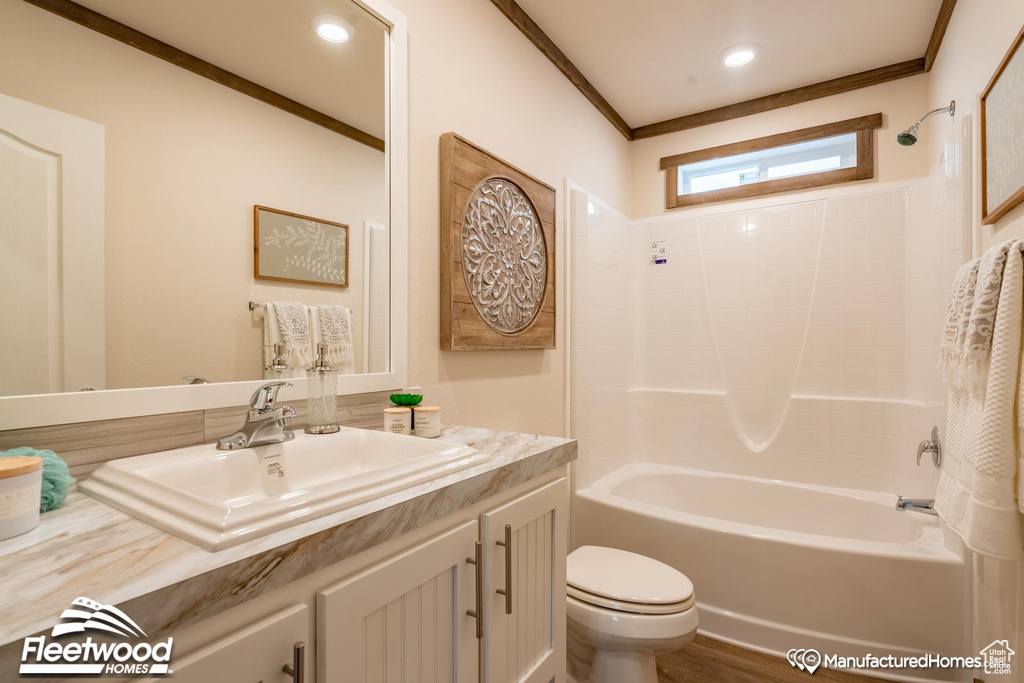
[{"x": 87, "y": 548}]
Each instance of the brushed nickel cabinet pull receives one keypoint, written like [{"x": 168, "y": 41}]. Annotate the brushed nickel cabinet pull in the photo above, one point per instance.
[
  {"x": 297, "y": 669},
  {"x": 507, "y": 545},
  {"x": 478, "y": 613}
]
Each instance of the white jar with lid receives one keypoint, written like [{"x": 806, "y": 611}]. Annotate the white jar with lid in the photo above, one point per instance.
[
  {"x": 21, "y": 481},
  {"x": 427, "y": 421},
  {"x": 398, "y": 420}
]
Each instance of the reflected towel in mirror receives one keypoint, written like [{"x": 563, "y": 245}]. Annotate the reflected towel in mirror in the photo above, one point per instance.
[
  {"x": 288, "y": 322},
  {"x": 332, "y": 325}
]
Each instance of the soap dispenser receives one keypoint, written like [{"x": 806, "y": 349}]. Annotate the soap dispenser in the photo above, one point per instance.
[
  {"x": 278, "y": 368},
  {"x": 322, "y": 389}
]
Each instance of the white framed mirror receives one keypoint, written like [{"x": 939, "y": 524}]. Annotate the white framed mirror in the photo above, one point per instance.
[{"x": 136, "y": 143}]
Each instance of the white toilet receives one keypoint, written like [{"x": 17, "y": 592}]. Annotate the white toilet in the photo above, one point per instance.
[{"x": 623, "y": 609}]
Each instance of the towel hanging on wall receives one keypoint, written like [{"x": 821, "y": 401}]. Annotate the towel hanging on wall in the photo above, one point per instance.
[
  {"x": 288, "y": 322},
  {"x": 978, "y": 495},
  {"x": 332, "y": 325}
]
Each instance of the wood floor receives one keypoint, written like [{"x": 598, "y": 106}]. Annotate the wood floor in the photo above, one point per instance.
[{"x": 712, "y": 661}]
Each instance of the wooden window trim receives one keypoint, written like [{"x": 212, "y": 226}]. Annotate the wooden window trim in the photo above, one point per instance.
[{"x": 863, "y": 126}]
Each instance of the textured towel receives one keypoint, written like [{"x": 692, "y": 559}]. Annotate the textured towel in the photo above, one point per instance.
[
  {"x": 332, "y": 325},
  {"x": 288, "y": 322},
  {"x": 966, "y": 348},
  {"x": 977, "y": 494}
]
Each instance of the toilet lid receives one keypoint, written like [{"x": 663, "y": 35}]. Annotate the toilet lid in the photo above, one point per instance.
[{"x": 626, "y": 577}]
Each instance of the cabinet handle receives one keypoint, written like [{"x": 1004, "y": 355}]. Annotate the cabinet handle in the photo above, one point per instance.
[
  {"x": 478, "y": 613},
  {"x": 297, "y": 669},
  {"x": 507, "y": 545}
]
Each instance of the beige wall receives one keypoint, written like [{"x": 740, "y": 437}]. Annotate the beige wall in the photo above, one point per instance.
[
  {"x": 978, "y": 36},
  {"x": 900, "y": 101},
  {"x": 473, "y": 72},
  {"x": 186, "y": 160}
]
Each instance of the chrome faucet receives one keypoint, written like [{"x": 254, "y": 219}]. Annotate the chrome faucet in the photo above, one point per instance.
[
  {"x": 925, "y": 505},
  {"x": 264, "y": 423},
  {"x": 932, "y": 446}
]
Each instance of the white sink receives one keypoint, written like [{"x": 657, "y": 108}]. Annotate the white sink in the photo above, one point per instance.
[{"x": 216, "y": 499}]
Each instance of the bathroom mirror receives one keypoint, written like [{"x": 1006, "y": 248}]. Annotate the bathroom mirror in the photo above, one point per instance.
[{"x": 136, "y": 140}]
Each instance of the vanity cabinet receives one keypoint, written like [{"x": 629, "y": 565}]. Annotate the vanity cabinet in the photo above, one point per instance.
[
  {"x": 407, "y": 611},
  {"x": 524, "y": 559},
  {"x": 404, "y": 619}
]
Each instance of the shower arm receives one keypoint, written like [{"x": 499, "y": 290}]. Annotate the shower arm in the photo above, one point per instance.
[{"x": 948, "y": 110}]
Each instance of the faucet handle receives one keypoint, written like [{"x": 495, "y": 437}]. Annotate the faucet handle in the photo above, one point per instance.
[{"x": 266, "y": 396}]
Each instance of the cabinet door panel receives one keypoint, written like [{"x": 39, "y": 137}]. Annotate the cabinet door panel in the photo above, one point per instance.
[
  {"x": 403, "y": 620},
  {"x": 254, "y": 654},
  {"x": 527, "y": 645}
]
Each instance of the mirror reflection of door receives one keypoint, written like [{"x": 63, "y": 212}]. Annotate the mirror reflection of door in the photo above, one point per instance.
[
  {"x": 127, "y": 185},
  {"x": 51, "y": 250}
]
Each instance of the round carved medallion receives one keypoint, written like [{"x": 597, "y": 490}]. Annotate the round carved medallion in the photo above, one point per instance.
[{"x": 504, "y": 256}]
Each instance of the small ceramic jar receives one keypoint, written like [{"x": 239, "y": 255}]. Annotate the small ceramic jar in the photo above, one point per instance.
[
  {"x": 398, "y": 420},
  {"x": 20, "y": 490},
  {"x": 427, "y": 422}
]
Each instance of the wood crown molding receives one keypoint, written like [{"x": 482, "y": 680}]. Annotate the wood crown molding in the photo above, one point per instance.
[
  {"x": 806, "y": 93},
  {"x": 142, "y": 41}
]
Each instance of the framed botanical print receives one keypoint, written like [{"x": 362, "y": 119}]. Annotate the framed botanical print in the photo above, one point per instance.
[
  {"x": 1002, "y": 136},
  {"x": 290, "y": 247}
]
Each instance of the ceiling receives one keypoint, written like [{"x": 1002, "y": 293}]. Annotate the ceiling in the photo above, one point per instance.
[
  {"x": 660, "y": 59},
  {"x": 272, "y": 43}
]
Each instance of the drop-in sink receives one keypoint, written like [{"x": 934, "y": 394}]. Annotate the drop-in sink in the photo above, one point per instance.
[{"x": 216, "y": 499}]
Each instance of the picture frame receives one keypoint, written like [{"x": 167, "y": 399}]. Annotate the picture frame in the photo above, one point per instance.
[
  {"x": 292, "y": 247},
  {"x": 1002, "y": 136}
]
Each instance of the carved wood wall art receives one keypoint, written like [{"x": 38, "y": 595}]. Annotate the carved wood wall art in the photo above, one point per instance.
[{"x": 497, "y": 253}]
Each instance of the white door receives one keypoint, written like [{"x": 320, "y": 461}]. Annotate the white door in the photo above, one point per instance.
[
  {"x": 524, "y": 585},
  {"x": 404, "y": 620},
  {"x": 376, "y": 295},
  {"x": 51, "y": 251}
]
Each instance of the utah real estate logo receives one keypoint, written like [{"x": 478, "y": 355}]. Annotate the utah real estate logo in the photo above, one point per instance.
[{"x": 129, "y": 657}]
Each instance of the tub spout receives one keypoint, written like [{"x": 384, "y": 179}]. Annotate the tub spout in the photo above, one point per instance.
[{"x": 925, "y": 505}]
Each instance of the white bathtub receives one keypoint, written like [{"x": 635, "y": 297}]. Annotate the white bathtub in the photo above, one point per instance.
[{"x": 778, "y": 566}]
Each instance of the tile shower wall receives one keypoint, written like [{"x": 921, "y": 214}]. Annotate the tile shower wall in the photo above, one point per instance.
[{"x": 796, "y": 342}]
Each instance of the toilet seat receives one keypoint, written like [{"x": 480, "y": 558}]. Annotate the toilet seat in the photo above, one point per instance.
[{"x": 626, "y": 582}]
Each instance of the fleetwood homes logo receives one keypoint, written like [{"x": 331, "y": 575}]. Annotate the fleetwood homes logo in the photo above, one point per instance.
[{"x": 88, "y": 657}]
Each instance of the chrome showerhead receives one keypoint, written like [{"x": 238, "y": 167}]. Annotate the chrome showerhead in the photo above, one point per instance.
[{"x": 909, "y": 136}]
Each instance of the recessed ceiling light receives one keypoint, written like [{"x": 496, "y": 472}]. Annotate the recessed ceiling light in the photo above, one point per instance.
[
  {"x": 331, "y": 28},
  {"x": 741, "y": 54}
]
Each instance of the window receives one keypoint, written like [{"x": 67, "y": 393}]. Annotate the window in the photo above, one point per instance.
[{"x": 833, "y": 153}]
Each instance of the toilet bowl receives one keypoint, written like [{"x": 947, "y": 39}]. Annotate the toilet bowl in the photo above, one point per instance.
[{"x": 623, "y": 610}]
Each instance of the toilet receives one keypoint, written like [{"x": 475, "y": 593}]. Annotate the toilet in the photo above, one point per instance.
[{"x": 623, "y": 610}]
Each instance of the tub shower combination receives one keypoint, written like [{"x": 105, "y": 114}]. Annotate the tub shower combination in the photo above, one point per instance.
[{"x": 748, "y": 413}]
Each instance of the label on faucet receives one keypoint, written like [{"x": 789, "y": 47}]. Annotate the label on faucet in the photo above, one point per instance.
[{"x": 273, "y": 467}]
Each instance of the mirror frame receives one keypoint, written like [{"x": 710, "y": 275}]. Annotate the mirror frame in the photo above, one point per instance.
[{"x": 18, "y": 412}]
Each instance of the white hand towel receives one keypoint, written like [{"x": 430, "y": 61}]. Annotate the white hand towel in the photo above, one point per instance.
[
  {"x": 977, "y": 492},
  {"x": 288, "y": 322},
  {"x": 332, "y": 325}
]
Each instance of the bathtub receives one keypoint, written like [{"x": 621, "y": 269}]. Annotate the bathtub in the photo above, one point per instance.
[{"x": 778, "y": 566}]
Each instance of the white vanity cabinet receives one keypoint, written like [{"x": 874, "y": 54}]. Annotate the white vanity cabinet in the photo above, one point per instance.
[
  {"x": 524, "y": 559},
  {"x": 406, "y": 611},
  {"x": 404, "y": 619}
]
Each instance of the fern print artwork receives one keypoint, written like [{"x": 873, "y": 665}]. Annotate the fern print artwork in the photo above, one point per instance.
[{"x": 297, "y": 248}]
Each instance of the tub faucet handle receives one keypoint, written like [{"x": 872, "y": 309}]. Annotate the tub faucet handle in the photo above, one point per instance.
[{"x": 933, "y": 446}]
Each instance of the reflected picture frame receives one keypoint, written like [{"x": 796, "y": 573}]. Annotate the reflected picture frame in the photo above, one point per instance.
[
  {"x": 1002, "y": 136},
  {"x": 291, "y": 247}
]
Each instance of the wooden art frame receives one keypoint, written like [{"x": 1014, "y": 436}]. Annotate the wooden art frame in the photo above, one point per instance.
[
  {"x": 863, "y": 126},
  {"x": 497, "y": 252},
  {"x": 991, "y": 214},
  {"x": 321, "y": 272}
]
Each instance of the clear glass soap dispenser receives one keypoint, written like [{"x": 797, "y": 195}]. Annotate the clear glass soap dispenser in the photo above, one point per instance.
[
  {"x": 278, "y": 368},
  {"x": 322, "y": 388}
]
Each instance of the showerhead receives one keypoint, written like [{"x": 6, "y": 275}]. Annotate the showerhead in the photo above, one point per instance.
[{"x": 909, "y": 136}]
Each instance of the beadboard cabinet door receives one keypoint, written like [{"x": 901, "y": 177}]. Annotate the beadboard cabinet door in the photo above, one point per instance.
[
  {"x": 524, "y": 633},
  {"x": 404, "y": 620},
  {"x": 256, "y": 653}
]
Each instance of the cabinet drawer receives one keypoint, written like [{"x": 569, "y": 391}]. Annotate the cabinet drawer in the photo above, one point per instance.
[{"x": 256, "y": 654}]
